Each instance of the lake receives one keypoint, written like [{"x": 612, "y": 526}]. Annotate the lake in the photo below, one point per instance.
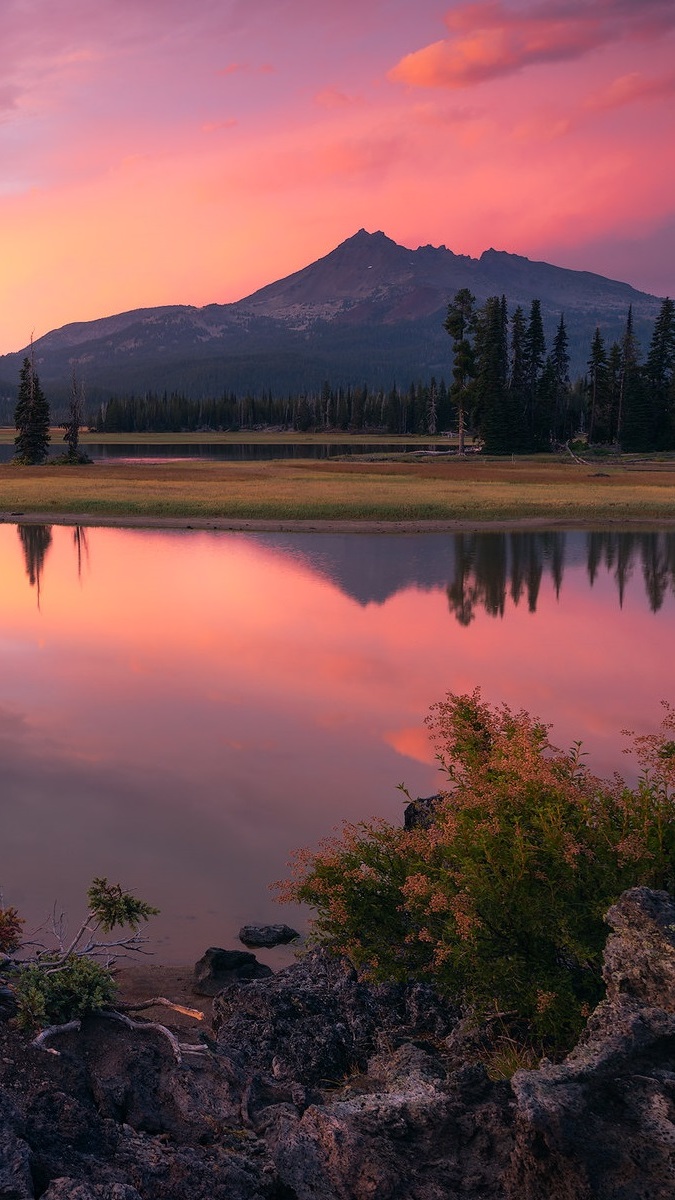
[
  {"x": 179, "y": 710},
  {"x": 162, "y": 452}
]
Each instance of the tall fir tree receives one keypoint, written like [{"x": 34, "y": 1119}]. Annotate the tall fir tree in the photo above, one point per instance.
[
  {"x": 491, "y": 395},
  {"x": 659, "y": 373},
  {"x": 31, "y": 418},
  {"x": 633, "y": 420},
  {"x": 460, "y": 323},
  {"x": 597, "y": 388},
  {"x": 560, "y": 371},
  {"x": 517, "y": 381},
  {"x": 534, "y": 354}
]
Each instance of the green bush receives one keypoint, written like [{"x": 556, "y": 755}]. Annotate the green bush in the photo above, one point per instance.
[
  {"x": 501, "y": 899},
  {"x": 10, "y": 930},
  {"x": 75, "y": 989},
  {"x": 66, "y": 983}
]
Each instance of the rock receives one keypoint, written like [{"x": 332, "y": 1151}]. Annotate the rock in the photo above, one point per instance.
[
  {"x": 8, "y": 1004},
  {"x": 419, "y": 814},
  {"x": 217, "y": 968},
  {"x": 323, "y": 1086},
  {"x": 316, "y": 1021},
  {"x": 267, "y": 935},
  {"x": 16, "y": 1181},
  {"x": 601, "y": 1125},
  {"x": 69, "y": 1189}
]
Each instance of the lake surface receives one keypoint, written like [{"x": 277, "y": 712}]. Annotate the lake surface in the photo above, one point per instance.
[
  {"x": 179, "y": 710},
  {"x": 161, "y": 452}
]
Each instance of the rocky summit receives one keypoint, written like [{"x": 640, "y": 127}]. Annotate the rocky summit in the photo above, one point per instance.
[
  {"x": 370, "y": 311},
  {"x": 317, "y": 1085}
]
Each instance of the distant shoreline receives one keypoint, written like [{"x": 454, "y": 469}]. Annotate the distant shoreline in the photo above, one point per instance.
[{"x": 321, "y": 525}]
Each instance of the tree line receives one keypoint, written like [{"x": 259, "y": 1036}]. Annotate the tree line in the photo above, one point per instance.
[
  {"x": 508, "y": 391},
  {"x": 518, "y": 398}
]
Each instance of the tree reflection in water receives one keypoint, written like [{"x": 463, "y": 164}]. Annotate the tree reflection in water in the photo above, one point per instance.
[
  {"x": 35, "y": 540},
  {"x": 491, "y": 566}
]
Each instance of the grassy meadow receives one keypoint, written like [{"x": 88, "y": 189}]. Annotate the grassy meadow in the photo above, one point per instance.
[{"x": 431, "y": 489}]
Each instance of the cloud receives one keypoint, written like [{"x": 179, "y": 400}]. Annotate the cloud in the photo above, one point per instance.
[
  {"x": 330, "y": 97},
  {"x": 489, "y": 40},
  {"x": 246, "y": 68},
  {"x": 628, "y": 88},
  {"x": 219, "y": 126}
]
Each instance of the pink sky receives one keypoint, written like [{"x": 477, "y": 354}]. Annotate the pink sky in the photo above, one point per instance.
[{"x": 161, "y": 152}]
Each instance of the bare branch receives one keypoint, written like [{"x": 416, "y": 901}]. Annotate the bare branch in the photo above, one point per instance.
[
  {"x": 161, "y": 1000},
  {"x": 51, "y": 1030}
]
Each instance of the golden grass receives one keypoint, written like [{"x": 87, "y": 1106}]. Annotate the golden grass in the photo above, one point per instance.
[
  {"x": 447, "y": 490},
  {"x": 246, "y": 437}
]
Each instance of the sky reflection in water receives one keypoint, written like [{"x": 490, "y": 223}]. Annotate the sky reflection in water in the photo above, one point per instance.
[{"x": 178, "y": 710}]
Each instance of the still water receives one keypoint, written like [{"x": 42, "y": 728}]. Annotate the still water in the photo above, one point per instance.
[
  {"x": 179, "y": 710},
  {"x": 162, "y": 452}
]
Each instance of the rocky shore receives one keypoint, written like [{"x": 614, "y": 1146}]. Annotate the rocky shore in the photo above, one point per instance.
[{"x": 315, "y": 1085}]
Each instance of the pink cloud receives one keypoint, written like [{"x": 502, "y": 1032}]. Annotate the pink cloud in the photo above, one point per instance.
[
  {"x": 330, "y": 97},
  {"x": 628, "y": 88},
  {"x": 219, "y": 126},
  {"x": 246, "y": 68},
  {"x": 489, "y": 40}
]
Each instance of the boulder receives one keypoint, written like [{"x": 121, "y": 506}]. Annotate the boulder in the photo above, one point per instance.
[
  {"x": 217, "y": 968},
  {"x": 316, "y": 1021},
  {"x": 267, "y": 935}
]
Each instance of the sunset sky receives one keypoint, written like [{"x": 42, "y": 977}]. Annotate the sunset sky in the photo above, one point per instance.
[{"x": 156, "y": 152}]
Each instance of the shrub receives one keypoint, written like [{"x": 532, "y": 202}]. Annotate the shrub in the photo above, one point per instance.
[
  {"x": 501, "y": 899},
  {"x": 67, "y": 982},
  {"x": 74, "y": 989},
  {"x": 10, "y": 930}
]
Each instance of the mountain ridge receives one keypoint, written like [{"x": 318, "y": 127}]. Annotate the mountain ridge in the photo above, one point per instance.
[{"x": 370, "y": 311}]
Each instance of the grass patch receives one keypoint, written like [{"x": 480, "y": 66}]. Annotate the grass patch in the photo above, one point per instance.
[{"x": 302, "y": 489}]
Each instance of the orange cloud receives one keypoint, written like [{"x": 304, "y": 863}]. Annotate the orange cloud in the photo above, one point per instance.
[
  {"x": 628, "y": 88},
  {"x": 218, "y": 126},
  {"x": 488, "y": 40},
  {"x": 246, "y": 68},
  {"x": 331, "y": 97}
]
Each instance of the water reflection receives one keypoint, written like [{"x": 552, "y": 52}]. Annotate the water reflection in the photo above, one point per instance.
[
  {"x": 186, "y": 707},
  {"x": 35, "y": 540},
  {"x": 489, "y": 567}
]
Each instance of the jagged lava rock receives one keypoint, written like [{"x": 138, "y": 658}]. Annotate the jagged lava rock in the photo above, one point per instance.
[
  {"x": 217, "y": 968},
  {"x": 267, "y": 935}
]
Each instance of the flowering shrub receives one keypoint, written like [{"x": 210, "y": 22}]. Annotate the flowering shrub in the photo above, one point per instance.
[
  {"x": 10, "y": 930},
  {"x": 501, "y": 898}
]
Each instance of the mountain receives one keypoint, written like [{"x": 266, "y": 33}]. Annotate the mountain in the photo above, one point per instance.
[{"x": 370, "y": 311}]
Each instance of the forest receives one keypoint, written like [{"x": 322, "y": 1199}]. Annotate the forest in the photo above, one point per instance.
[{"x": 509, "y": 392}]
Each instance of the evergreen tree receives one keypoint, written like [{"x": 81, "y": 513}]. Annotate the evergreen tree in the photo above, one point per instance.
[
  {"x": 517, "y": 383},
  {"x": 598, "y": 389},
  {"x": 633, "y": 432},
  {"x": 491, "y": 396},
  {"x": 460, "y": 323},
  {"x": 660, "y": 378},
  {"x": 534, "y": 354},
  {"x": 560, "y": 364},
  {"x": 31, "y": 418}
]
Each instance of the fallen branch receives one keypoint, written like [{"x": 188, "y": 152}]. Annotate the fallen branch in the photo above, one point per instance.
[
  {"x": 50, "y": 1031},
  {"x": 160, "y": 1000}
]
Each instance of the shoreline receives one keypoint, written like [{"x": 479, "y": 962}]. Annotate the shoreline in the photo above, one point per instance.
[{"x": 336, "y": 525}]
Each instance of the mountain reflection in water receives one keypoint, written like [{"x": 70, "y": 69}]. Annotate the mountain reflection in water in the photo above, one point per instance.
[
  {"x": 487, "y": 569},
  {"x": 182, "y": 709}
]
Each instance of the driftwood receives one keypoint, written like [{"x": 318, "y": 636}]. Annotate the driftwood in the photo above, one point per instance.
[
  {"x": 178, "y": 1048},
  {"x": 161, "y": 1000}
]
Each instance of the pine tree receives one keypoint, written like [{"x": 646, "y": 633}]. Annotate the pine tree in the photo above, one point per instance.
[
  {"x": 460, "y": 323},
  {"x": 31, "y": 418},
  {"x": 560, "y": 364},
  {"x": 491, "y": 397},
  {"x": 660, "y": 378},
  {"x": 534, "y": 354},
  {"x": 633, "y": 431},
  {"x": 598, "y": 389},
  {"x": 517, "y": 383}
]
